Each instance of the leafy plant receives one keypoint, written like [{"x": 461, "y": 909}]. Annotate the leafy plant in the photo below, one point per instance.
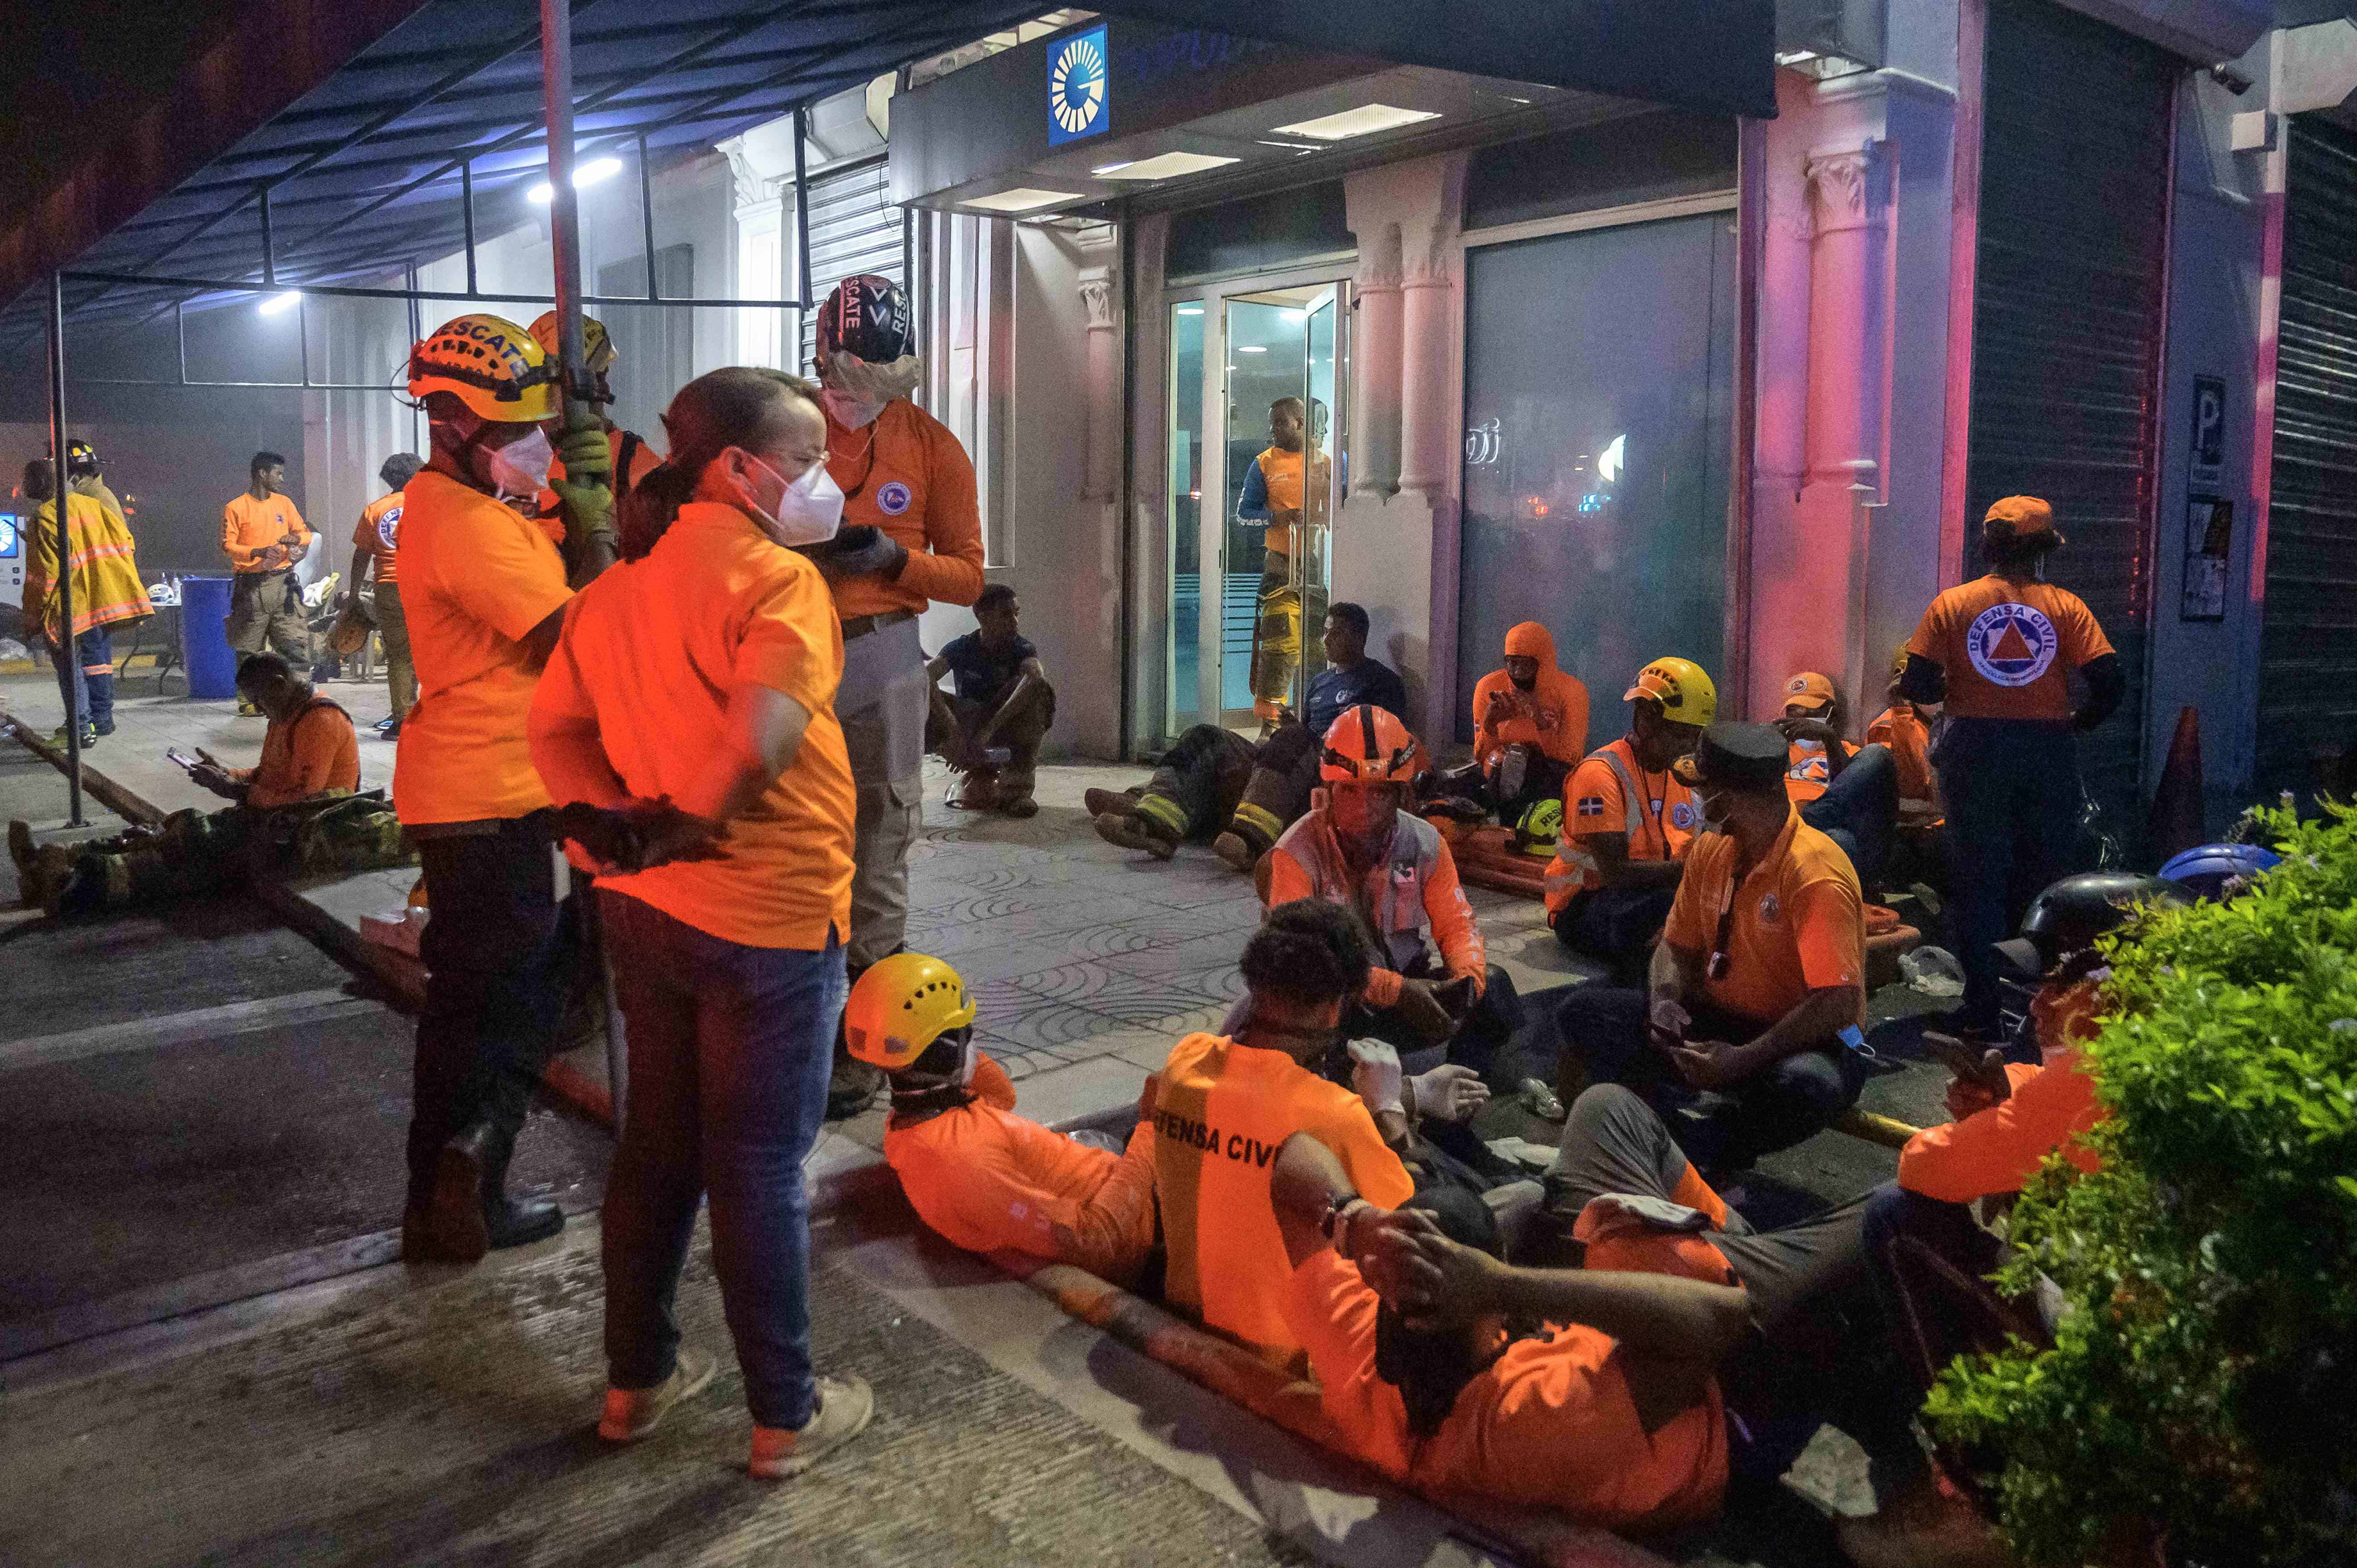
[{"x": 2204, "y": 1381}]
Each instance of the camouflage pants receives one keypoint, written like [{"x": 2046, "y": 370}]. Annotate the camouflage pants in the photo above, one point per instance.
[{"x": 194, "y": 854}]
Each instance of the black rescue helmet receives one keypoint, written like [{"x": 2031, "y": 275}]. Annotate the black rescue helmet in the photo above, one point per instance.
[
  {"x": 2070, "y": 915},
  {"x": 868, "y": 316}
]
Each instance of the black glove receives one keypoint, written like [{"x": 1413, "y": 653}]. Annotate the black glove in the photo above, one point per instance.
[
  {"x": 641, "y": 835},
  {"x": 859, "y": 550}
]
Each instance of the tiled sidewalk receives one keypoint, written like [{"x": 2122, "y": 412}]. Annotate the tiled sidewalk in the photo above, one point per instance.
[{"x": 1087, "y": 960}]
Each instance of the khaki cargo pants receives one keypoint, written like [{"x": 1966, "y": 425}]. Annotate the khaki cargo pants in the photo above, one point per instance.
[{"x": 883, "y": 676}]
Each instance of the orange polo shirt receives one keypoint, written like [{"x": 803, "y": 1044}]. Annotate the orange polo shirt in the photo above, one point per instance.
[
  {"x": 1550, "y": 1423},
  {"x": 651, "y": 651},
  {"x": 991, "y": 1180},
  {"x": 1799, "y": 923},
  {"x": 2008, "y": 646},
  {"x": 1902, "y": 729},
  {"x": 2051, "y": 1107},
  {"x": 1808, "y": 771},
  {"x": 476, "y": 578},
  {"x": 249, "y": 527},
  {"x": 313, "y": 753},
  {"x": 906, "y": 473},
  {"x": 1221, "y": 1112},
  {"x": 1595, "y": 803},
  {"x": 377, "y": 533}
]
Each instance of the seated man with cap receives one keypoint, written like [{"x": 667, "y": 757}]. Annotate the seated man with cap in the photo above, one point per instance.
[
  {"x": 1907, "y": 727},
  {"x": 974, "y": 1171},
  {"x": 1849, "y": 794},
  {"x": 1747, "y": 1036},
  {"x": 1627, "y": 823}
]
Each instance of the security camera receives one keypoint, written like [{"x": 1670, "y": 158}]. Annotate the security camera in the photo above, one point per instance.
[{"x": 2227, "y": 77}]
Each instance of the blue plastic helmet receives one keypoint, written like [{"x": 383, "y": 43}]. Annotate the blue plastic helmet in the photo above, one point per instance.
[{"x": 2205, "y": 869}]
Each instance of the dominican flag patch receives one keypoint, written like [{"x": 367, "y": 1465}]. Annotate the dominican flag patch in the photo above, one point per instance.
[{"x": 1591, "y": 805}]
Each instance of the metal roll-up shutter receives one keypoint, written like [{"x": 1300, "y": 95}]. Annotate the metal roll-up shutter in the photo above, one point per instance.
[
  {"x": 2067, "y": 312},
  {"x": 853, "y": 230},
  {"x": 2308, "y": 638}
]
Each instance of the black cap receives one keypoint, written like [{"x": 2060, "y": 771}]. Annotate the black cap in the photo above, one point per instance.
[
  {"x": 1749, "y": 757},
  {"x": 868, "y": 318}
]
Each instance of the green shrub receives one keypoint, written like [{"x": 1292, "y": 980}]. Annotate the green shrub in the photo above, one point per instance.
[{"x": 2205, "y": 1379}]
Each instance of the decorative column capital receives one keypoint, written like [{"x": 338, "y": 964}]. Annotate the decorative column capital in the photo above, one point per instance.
[
  {"x": 1096, "y": 298},
  {"x": 1840, "y": 187}
]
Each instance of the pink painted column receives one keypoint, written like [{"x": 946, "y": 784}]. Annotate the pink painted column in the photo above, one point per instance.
[{"x": 1841, "y": 484}]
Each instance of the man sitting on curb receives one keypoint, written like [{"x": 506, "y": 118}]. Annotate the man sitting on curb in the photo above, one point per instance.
[
  {"x": 1362, "y": 850},
  {"x": 1001, "y": 700},
  {"x": 290, "y": 815},
  {"x": 1627, "y": 825},
  {"x": 1905, "y": 727},
  {"x": 986, "y": 1179},
  {"x": 1212, "y": 781},
  {"x": 1850, "y": 795},
  {"x": 1224, "y": 1106},
  {"x": 1759, "y": 983}
]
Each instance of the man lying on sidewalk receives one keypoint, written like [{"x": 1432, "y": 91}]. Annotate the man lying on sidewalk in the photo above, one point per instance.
[
  {"x": 985, "y": 1177},
  {"x": 295, "y": 812},
  {"x": 1215, "y": 783}
]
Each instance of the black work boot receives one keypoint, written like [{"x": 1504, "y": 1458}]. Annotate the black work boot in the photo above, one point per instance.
[
  {"x": 852, "y": 1084},
  {"x": 511, "y": 1221}
]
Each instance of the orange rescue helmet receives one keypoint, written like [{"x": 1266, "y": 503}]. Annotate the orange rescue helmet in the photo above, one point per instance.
[{"x": 1367, "y": 746}]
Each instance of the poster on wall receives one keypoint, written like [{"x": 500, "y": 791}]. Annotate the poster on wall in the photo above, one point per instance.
[
  {"x": 2209, "y": 546},
  {"x": 2207, "y": 464}
]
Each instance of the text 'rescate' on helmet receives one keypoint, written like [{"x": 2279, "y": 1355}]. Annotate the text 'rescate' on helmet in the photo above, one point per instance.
[
  {"x": 1686, "y": 693},
  {"x": 596, "y": 343},
  {"x": 488, "y": 363},
  {"x": 868, "y": 318},
  {"x": 1367, "y": 746},
  {"x": 900, "y": 1006}
]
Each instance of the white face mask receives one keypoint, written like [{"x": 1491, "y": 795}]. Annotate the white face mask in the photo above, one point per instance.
[
  {"x": 856, "y": 391},
  {"x": 1713, "y": 823},
  {"x": 520, "y": 467},
  {"x": 808, "y": 511}
]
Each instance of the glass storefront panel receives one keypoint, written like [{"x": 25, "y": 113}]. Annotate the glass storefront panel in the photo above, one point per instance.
[
  {"x": 1182, "y": 627},
  {"x": 1598, "y": 397}
]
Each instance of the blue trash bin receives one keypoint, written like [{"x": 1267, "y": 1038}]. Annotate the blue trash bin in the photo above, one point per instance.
[{"x": 205, "y": 652}]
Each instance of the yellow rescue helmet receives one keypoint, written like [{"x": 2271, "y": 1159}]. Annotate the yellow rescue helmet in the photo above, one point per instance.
[
  {"x": 1686, "y": 693},
  {"x": 488, "y": 363},
  {"x": 597, "y": 344},
  {"x": 902, "y": 1004}
]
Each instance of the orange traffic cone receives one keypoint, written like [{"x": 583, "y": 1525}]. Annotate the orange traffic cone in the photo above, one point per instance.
[{"x": 2175, "y": 824}]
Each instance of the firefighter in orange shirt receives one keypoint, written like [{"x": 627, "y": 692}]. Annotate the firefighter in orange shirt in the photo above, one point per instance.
[
  {"x": 375, "y": 541},
  {"x": 982, "y": 1177},
  {"x": 266, "y": 538},
  {"x": 912, "y": 536}
]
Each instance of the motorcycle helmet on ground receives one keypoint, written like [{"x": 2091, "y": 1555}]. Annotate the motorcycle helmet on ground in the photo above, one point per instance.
[{"x": 2204, "y": 871}]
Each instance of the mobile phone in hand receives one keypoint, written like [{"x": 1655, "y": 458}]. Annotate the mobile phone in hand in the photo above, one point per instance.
[{"x": 188, "y": 764}]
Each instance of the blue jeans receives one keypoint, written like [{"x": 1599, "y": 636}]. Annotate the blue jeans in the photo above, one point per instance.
[
  {"x": 730, "y": 1051},
  {"x": 2012, "y": 791},
  {"x": 1858, "y": 811},
  {"x": 86, "y": 678}
]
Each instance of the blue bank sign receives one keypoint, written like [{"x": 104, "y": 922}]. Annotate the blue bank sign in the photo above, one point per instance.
[{"x": 1079, "y": 101}]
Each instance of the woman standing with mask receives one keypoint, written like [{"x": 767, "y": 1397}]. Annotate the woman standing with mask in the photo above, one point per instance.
[
  {"x": 704, "y": 670},
  {"x": 903, "y": 474}
]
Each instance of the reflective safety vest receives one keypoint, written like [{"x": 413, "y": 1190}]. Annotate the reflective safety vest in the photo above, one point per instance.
[
  {"x": 1389, "y": 898},
  {"x": 1567, "y": 873}
]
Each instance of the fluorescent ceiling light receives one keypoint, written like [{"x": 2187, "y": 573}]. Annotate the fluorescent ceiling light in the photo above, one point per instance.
[
  {"x": 1607, "y": 467},
  {"x": 1023, "y": 198},
  {"x": 1164, "y": 166},
  {"x": 1190, "y": 310},
  {"x": 1252, "y": 348},
  {"x": 587, "y": 175},
  {"x": 278, "y": 303},
  {"x": 1363, "y": 121}
]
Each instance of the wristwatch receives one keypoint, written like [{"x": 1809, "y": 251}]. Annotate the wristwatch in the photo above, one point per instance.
[{"x": 1333, "y": 1227}]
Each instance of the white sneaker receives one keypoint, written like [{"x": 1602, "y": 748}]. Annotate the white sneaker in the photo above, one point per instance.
[
  {"x": 632, "y": 1414},
  {"x": 845, "y": 1405}
]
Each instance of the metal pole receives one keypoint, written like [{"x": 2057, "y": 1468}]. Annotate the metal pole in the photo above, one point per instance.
[
  {"x": 647, "y": 216},
  {"x": 801, "y": 229},
  {"x": 467, "y": 214},
  {"x": 597, "y": 551},
  {"x": 269, "y": 258},
  {"x": 65, "y": 649}
]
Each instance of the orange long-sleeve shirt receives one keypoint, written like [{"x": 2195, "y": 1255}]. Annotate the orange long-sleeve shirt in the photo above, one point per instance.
[
  {"x": 906, "y": 473},
  {"x": 313, "y": 753},
  {"x": 990, "y": 1180},
  {"x": 251, "y": 527},
  {"x": 1998, "y": 1149},
  {"x": 1446, "y": 910}
]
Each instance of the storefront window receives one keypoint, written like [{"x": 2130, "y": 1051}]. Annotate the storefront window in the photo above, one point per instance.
[
  {"x": 1182, "y": 653},
  {"x": 1598, "y": 397}
]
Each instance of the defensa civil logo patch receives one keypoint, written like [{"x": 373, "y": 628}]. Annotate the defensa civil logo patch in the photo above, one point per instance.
[
  {"x": 2011, "y": 644},
  {"x": 892, "y": 499},
  {"x": 388, "y": 527}
]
